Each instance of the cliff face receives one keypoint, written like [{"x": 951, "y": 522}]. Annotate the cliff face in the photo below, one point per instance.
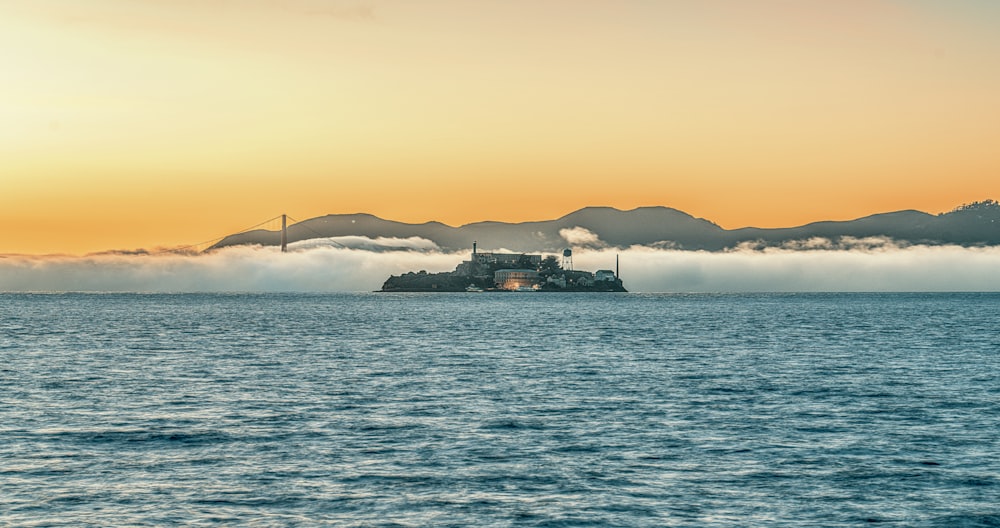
[{"x": 973, "y": 225}]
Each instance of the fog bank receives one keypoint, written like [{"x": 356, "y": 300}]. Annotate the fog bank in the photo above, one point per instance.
[
  {"x": 238, "y": 269},
  {"x": 316, "y": 267},
  {"x": 911, "y": 269}
]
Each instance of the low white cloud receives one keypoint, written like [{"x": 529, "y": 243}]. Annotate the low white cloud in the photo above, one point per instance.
[
  {"x": 581, "y": 237},
  {"x": 368, "y": 244},
  {"x": 237, "y": 269},
  {"x": 845, "y": 243},
  {"x": 319, "y": 268},
  {"x": 888, "y": 269}
]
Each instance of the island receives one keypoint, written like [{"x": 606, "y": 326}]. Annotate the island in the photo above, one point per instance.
[{"x": 509, "y": 272}]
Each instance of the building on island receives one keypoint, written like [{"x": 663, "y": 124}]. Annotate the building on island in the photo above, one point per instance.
[
  {"x": 604, "y": 275},
  {"x": 514, "y": 279},
  {"x": 495, "y": 271},
  {"x": 584, "y": 279},
  {"x": 482, "y": 264},
  {"x": 506, "y": 259},
  {"x": 558, "y": 281}
]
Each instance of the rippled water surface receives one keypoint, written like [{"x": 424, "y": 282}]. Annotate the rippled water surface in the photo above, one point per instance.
[{"x": 519, "y": 409}]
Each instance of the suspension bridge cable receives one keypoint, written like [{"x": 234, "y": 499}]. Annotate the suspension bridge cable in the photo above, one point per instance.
[
  {"x": 214, "y": 240},
  {"x": 299, "y": 222}
]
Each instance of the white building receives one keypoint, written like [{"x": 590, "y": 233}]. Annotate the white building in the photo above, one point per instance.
[
  {"x": 512, "y": 279},
  {"x": 604, "y": 275}
]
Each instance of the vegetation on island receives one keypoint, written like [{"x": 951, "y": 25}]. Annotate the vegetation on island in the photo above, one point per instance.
[{"x": 422, "y": 281}]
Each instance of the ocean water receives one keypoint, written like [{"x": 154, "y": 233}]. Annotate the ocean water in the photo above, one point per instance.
[{"x": 500, "y": 410}]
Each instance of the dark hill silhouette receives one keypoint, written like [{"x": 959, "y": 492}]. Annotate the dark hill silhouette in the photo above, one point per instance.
[
  {"x": 975, "y": 224},
  {"x": 336, "y": 225},
  {"x": 910, "y": 225}
]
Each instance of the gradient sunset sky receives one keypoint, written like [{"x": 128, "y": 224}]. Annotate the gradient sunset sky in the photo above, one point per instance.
[{"x": 145, "y": 123}]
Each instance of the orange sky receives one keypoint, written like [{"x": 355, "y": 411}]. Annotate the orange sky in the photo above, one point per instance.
[{"x": 144, "y": 123}]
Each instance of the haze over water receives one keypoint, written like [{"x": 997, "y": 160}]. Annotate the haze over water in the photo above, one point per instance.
[{"x": 468, "y": 410}]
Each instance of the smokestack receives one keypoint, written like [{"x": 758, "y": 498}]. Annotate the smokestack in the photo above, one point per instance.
[{"x": 617, "y": 274}]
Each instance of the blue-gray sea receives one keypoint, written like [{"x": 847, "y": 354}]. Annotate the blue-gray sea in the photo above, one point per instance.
[{"x": 500, "y": 410}]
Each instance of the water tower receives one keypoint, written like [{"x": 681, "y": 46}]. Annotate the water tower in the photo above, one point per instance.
[{"x": 567, "y": 263}]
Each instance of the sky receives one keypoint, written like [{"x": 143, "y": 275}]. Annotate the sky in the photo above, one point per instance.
[{"x": 154, "y": 123}]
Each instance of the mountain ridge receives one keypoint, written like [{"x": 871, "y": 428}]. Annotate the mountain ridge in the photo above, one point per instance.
[{"x": 976, "y": 224}]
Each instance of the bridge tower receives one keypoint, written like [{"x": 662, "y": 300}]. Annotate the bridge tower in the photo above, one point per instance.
[{"x": 284, "y": 233}]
